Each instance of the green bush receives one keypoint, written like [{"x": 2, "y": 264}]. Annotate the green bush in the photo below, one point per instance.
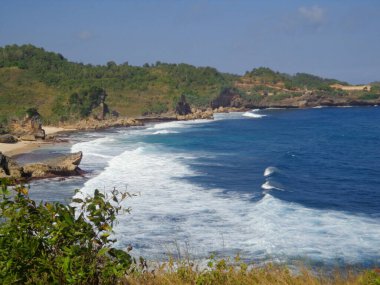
[
  {"x": 369, "y": 96},
  {"x": 53, "y": 243},
  {"x": 32, "y": 112}
]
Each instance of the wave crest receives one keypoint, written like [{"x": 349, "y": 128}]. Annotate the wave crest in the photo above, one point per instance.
[{"x": 253, "y": 114}]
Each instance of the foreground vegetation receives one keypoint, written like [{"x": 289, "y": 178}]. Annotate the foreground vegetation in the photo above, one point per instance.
[
  {"x": 267, "y": 275},
  {"x": 52, "y": 243}
]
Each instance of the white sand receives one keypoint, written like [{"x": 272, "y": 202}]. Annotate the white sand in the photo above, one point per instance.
[
  {"x": 49, "y": 130},
  {"x": 28, "y": 146}
]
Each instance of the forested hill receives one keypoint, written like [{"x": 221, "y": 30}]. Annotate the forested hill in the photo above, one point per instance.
[{"x": 31, "y": 77}]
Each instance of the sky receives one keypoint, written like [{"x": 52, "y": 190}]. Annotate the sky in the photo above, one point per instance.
[{"x": 332, "y": 39}]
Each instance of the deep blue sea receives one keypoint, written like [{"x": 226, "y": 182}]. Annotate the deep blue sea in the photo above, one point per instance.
[{"x": 274, "y": 184}]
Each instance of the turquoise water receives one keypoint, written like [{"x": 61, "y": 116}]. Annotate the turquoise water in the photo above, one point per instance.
[{"x": 276, "y": 185}]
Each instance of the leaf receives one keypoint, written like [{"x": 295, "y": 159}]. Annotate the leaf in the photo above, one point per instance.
[
  {"x": 77, "y": 200},
  {"x": 103, "y": 251}
]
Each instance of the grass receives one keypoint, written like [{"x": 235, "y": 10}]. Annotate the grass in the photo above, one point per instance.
[{"x": 221, "y": 273}]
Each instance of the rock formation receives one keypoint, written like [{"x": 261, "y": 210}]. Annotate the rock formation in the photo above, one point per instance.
[
  {"x": 229, "y": 97},
  {"x": 65, "y": 165},
  {"x": 197, "y": 114},
  {"x": 7, "y": 138},
  {"x": 30, "y": 128},
  {"x": 183, "y": 108},
  {"x": 10, "y": 168}
]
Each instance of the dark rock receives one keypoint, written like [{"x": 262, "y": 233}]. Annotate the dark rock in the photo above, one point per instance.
[
  {"x": 10, "y": 168},
  {"x": 183, "y": 108},
  {"x": 227, "y": 98},
  {"x": 7, "y": 139},
  {"x": 115, "y": 114}
]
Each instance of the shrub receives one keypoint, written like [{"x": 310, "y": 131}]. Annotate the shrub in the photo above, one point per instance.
[
  {"x": 369, "y": 96},
  {"x": 53, "y": 243},
  {"x": 32, "y": 112}
]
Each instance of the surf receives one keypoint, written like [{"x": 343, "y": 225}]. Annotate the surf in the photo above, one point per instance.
[{"x": 170, "y": 211}]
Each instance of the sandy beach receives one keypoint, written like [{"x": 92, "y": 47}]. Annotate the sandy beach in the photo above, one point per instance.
[{"x": 28, "y": 146}]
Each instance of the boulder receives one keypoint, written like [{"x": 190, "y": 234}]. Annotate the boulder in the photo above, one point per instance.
[
  {"x": 28, "y": 137},
  {"x": 10, "y": 168},
  {"x": 65, "y": 165},
  {"x": 39, "y": 134},
  {"x": 15, "y": 170},
  {"x": 7, "y": 139}
]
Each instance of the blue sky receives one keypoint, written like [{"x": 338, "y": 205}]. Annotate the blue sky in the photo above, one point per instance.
[{"x": 338, "y": 39}]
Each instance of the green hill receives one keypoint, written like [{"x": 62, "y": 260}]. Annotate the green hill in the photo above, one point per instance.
[{"x": 31, "y": 77}]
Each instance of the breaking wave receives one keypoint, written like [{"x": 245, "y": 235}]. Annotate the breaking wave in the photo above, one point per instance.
[
  {"x": 169, "y": 212},
  {"x": 254, "y": 114}
]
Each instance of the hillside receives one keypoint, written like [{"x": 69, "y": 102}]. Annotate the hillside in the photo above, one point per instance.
[{"x": 31, "y": 77}]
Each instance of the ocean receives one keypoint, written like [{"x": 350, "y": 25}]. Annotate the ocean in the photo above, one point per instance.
[{"x": 278, "y": 185}]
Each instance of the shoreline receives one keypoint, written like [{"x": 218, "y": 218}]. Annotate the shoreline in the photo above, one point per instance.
[{"x": 22, "y": 147}]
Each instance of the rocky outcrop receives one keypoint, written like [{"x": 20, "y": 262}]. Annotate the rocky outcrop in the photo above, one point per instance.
[
  {"x": 7, "y": 138},
  {"x": 65, "y": 165},
  {"x": 94, "y": 124},
  {"x": 182, "y": 108},
  {"x": 29, "y": 129},
  {"x": 10, "y": 168},
  {"x": 39, "y": 134},
  {"x": 197, "y": 114},
  {"x": 229, "y": 97},
  {"x": 28, "y": 137}
]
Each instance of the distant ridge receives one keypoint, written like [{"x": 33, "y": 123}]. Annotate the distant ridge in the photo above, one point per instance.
[{"x": 31, "y": 77}]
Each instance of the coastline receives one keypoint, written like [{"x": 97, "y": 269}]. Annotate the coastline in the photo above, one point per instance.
[
  {"x": 129, "y": 157},
  {"x": 22, "y": 147}
]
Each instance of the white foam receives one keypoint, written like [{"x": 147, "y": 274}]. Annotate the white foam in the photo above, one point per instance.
[
  {"x": 98, "y": 151},
  {"x": 99, "y": 155},
  {"x": 227, "y": 116},
  {"x": 179, "y": 124},
  {"x": 164, "y": 132},
  {"x": 253, "y": 115},
  {"x": 169, "y": 212},
  {"x": 268, "y": 186},
  {"x": 269, "y": 171}
]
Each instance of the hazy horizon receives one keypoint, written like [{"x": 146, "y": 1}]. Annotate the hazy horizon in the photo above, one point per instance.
[{"x": 330, "y": 39}]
